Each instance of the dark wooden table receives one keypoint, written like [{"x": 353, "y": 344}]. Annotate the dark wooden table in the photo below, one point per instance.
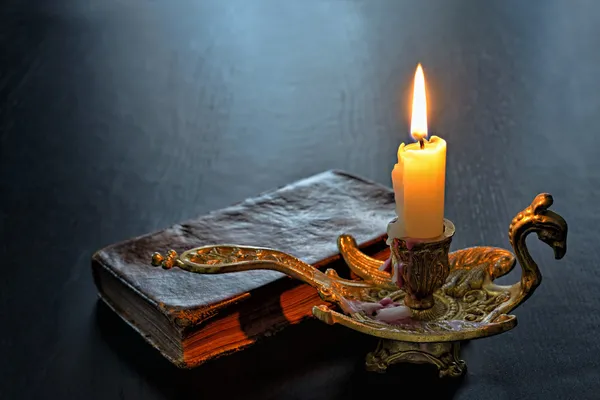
[{"x": 122, "y": 117}]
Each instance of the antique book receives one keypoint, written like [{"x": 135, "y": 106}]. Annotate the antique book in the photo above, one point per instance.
[{"x": 191, "y": 318}]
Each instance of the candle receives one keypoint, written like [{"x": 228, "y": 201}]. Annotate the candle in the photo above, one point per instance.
[{"x": 419, "y": 176}]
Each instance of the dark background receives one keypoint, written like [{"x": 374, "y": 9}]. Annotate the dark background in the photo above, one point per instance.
[{"x": 119, "y": 117}]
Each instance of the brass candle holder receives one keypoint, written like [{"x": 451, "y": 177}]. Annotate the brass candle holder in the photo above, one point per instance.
[{"x": 452, "y": 296}]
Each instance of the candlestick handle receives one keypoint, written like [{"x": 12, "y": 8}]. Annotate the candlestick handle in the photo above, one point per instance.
[{"x": 224, "y": 258}]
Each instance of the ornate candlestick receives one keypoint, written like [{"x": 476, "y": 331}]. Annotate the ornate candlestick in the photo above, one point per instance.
[{"x": 452, "y": 296}]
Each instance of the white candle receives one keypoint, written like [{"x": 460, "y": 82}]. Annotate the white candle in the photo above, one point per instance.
[{"x": 419, "y": 176}]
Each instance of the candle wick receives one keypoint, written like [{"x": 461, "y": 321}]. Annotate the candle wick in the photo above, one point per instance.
[{"x": 422, "y": 143}]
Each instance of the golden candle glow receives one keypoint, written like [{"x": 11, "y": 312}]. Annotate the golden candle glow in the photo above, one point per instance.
[
  {"x": 418, "y": 122},
  {"x": 419, "y": 176}
]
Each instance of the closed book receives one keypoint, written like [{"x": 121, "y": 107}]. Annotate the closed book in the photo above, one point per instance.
[{"x": 191, "y": 318}]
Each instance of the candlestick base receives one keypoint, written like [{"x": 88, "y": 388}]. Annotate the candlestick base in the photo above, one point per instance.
[
  {"x": 469, "y": 305},
  {"x": 444, "y": 355}
]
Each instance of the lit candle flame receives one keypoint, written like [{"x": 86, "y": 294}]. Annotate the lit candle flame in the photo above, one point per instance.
[{"x": 418, "y": 122}]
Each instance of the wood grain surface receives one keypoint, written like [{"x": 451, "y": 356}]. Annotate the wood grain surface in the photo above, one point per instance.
[{"x": 122, "y": 117}]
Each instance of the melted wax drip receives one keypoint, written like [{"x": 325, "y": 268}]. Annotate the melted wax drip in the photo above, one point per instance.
[
  {"x": 395, "y": 270},
  {"x": 386, "y": 310}
]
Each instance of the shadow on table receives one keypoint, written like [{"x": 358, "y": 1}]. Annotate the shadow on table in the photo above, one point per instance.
[
  {"x": 401, "y": 380},
  {"x": 311, "y": 360}
]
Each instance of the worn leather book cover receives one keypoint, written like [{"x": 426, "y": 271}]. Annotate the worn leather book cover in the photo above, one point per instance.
[{"x": 191, "y": 318}]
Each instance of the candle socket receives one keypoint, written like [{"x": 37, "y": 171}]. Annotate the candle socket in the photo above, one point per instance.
[{"x": 424, "y": 266}]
